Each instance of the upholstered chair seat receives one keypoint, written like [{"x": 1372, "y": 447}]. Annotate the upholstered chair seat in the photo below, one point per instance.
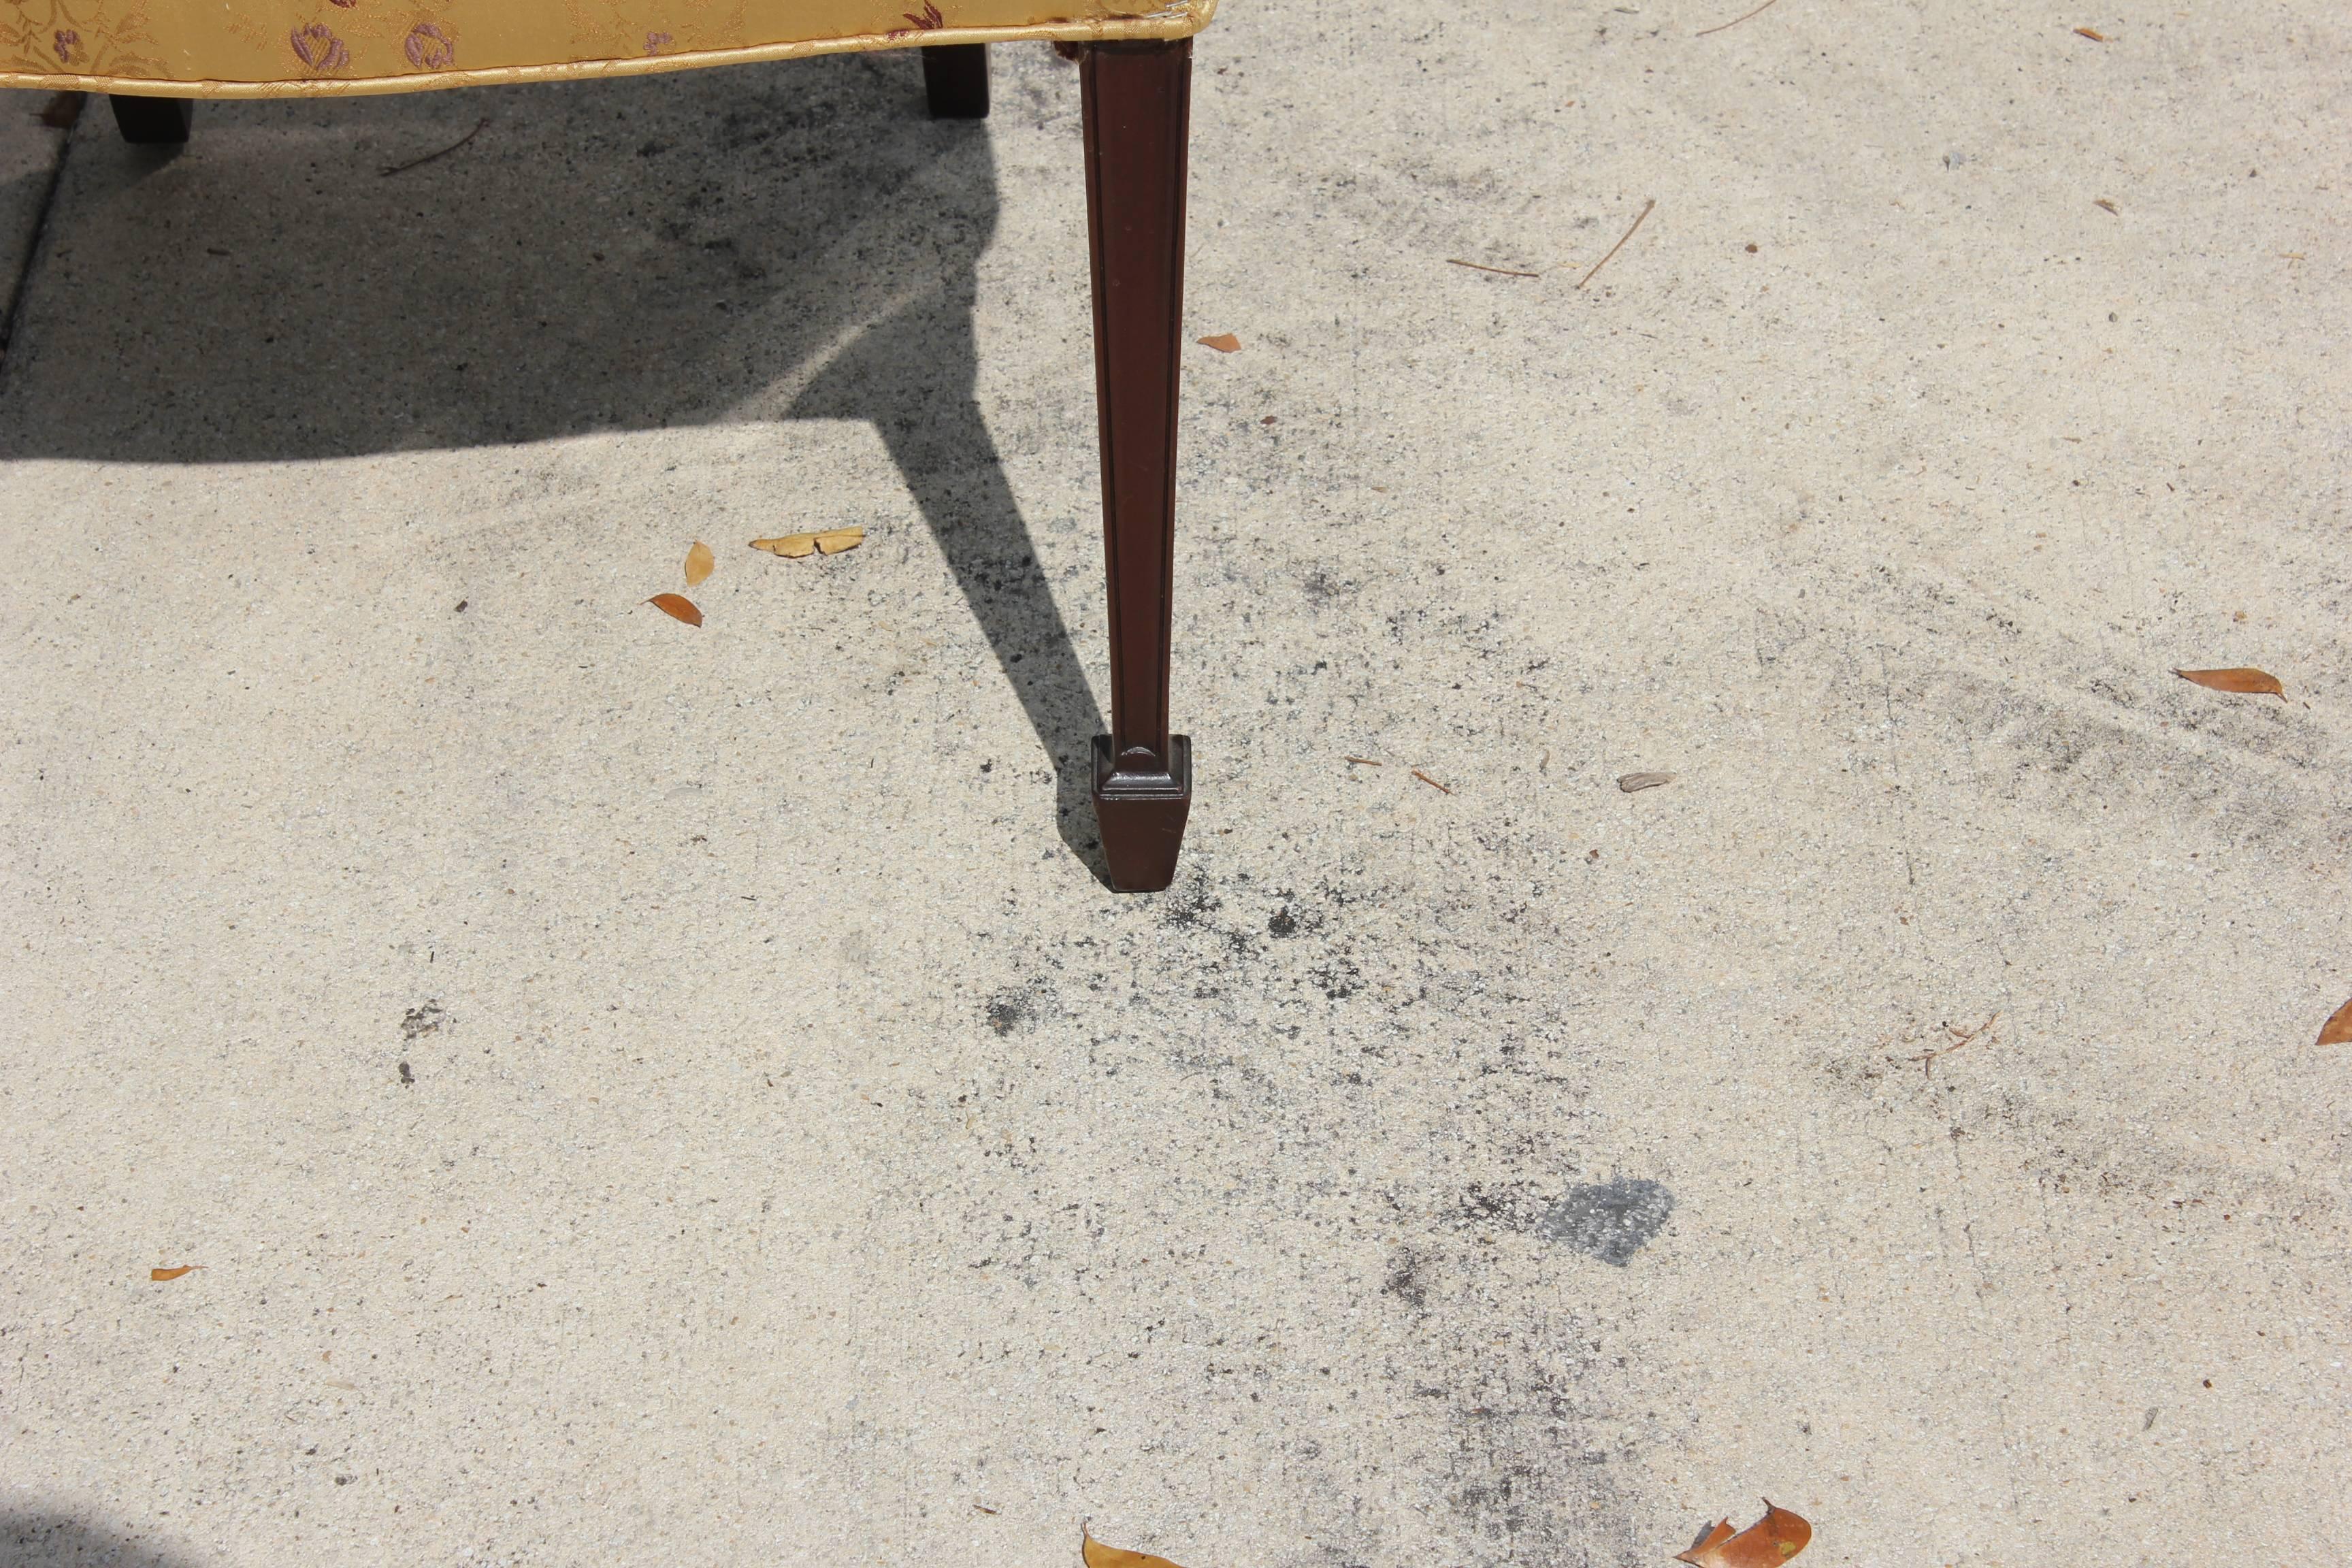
[{"x": 254, "y": 49}]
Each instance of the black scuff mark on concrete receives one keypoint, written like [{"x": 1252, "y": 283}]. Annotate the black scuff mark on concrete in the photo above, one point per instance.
[
  {"x": 1524, "y": 1434},
  {"x": 1009, "y": 1010},
  {"x": 1537, "y": 1476},
  {"x": 1512, "y": 1205},
  {"x": 1339, "y": 979},
  {"x": 1611, "y": 1220},
  {"x": 1019, "y": 1007},
  {"x": 1405, "y": 1281},
  {"x": 1192, "y": 906}
]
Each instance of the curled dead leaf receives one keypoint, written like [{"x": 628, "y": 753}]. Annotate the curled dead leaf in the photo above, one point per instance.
[
  {"x": 2093, "y": 34},
  {"x": 1224, "y": 342},
  {"x": 677, "y": 605},
  {"x": 1767, "y": 1543},
  {"x": 1717, "y": 1534},
  {"x": 1629, "y": 782},
  {"x": 172, "y": 1273},
  {"x": 831, "y": 542},
  {"x": 2337, "y": 1030},
  {"x": 1097, "y": 1555},
  {"x": 2254, "y": 682},
  {"x": 699, "y": 565}
]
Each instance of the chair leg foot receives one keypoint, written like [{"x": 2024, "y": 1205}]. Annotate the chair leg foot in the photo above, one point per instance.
[
  {"x": 1137, "y": 101},
  {"x": 152, "y": 121},
  {"x": 1141, "y": 816},
  {"x": 955, "y": 78}
]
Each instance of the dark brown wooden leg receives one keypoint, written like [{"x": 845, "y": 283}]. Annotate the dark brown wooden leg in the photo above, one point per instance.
[
  {"x": 955, "y": 77},
  {"x": 1138, "y": 101},
  {"x": 152, "y": 121}
]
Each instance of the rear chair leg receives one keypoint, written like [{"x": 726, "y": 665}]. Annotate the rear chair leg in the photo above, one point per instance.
[
  {"x": 1137, "y": 104},
  {"x": 152, "y": 121},
  {"x": 955, "y": 77}
]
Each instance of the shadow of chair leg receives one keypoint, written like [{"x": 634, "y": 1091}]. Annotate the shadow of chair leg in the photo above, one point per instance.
[
  {"x": 950, "y": 464},
  {"x": 912, "y": 376}
]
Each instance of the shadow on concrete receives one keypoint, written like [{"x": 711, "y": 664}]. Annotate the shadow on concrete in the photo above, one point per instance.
[
  {"x": 55, "y": 1541},
  {"x": 755, "y": 243}
]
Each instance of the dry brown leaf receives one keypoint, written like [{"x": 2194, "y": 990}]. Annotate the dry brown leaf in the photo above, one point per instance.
[
  {"x": 2093, "y": 34},
  {"x": 2337, "y": 1030},
  {"x": 1629, "y": 782},
  {"x": 1224, "y": 342},
  {"x": 677, "y": 605},
  {"x": 831, "y": 542},
  {"x": 1717, "y": 1534},
  {"x": 699, "y": 565},
  {"x": 1767, "y": 1543},
  {"x": 1097, "y": 1555},
  {"x": 172, "y": 1273},
  {"x": 2256, "y": 682}
]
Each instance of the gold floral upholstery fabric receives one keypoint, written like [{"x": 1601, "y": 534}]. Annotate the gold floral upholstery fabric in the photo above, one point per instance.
[{"x": 258, "y": 48}]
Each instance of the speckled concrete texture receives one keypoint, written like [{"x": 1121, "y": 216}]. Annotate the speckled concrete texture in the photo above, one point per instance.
[{"x": 640, "y": 1095}]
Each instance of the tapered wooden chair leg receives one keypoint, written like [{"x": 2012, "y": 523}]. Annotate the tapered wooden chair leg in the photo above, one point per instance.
[
  {"x": 1138, "y": 100},
  {"x": 955, "y": 80},
  {"x": 152, "y": 121}
]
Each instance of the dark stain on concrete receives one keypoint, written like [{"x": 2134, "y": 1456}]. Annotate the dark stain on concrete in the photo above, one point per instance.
[
  {"x": 1522, "y": 1436},
  {"x": 1537, "y": 1475},
  {"x": 1611, "y": 1221},
  {"x": 1192, "y": 906},
  {"x": 1405, "y": 1281},
  {"x": 1339, "y": 979}
]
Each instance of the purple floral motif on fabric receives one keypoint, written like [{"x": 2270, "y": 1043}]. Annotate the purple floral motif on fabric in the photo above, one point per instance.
[
  {"x": 430, "y": 48},
  {"x": 318, "y": 50}
]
